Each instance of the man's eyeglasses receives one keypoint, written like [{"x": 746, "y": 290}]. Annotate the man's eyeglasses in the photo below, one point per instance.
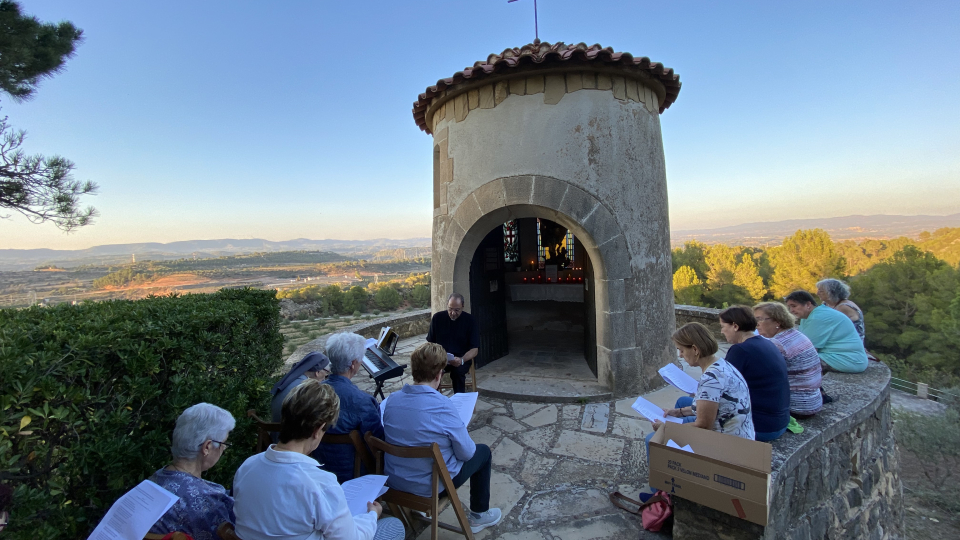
[{"x": 221, "y": 443}]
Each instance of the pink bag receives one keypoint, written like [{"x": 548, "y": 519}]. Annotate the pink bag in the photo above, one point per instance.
[{"x": 655, "y": 513}]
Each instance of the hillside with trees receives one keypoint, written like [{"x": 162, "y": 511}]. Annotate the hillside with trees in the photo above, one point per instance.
[{"x": 909, "y": 289}]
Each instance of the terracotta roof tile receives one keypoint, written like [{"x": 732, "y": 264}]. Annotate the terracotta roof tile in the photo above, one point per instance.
[{"x": 543, "y": 55}]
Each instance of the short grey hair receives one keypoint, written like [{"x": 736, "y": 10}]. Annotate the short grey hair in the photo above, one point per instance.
[
  {"x": 198, "y": 424},
  {"x": 835, "y": 289},
  {"x": 458, "y": 296},
  {"x": 342, "y": 349}
]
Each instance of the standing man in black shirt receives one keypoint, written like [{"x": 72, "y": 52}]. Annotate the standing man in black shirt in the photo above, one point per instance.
[{"x": 457, "y": 332}]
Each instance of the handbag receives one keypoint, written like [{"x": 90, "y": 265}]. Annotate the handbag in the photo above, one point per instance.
[{"x": 655, "y": 513}]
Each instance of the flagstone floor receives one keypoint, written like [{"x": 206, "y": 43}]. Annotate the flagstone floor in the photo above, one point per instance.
[{"x": 555, "y": 463}]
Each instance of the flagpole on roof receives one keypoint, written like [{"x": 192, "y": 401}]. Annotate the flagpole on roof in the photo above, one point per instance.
[{"x": 536, "y": 29}]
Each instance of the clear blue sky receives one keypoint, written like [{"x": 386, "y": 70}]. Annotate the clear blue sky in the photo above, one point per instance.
[{"x": 278, "y": 120}]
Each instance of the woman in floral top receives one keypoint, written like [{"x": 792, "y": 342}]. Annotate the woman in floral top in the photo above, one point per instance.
[
  {"x": 722, "y": 401},
  {"x": 199, "y": 439}
]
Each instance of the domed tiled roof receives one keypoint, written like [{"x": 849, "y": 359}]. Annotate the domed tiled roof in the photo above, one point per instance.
[{"x": 546, "y": 54}]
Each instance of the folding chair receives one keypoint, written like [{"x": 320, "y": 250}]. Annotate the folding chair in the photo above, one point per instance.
[
  {"x": 361, "y": 455},
  {"x": 470, "y": 383},
  {"x": 431, "y": 506},
  {"x": 225, "y": 531}
]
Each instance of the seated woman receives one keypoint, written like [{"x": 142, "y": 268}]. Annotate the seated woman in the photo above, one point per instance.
[
  {"x": 315, "y": 365},
  {"x": 358, "y": 409},
  {"x": 199, "y": 439},
  {"x": 283, "y": 493},
  {"x": 775, "y": 322},
  {"x": 722, "y": 398},
  {"x": 830, "y": 331},
  {"x": 836, "y": 294},
  {"x": 764, "y": 369}
]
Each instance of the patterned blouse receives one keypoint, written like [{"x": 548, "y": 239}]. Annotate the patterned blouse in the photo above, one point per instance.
[
  {"x": 724, "y": 385},
  {"x": 858, "y": 324},
  {"x": 202, "y": 507},
  {"x": 803, "y": 371}
]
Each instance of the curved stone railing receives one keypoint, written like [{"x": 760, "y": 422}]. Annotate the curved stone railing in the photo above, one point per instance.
[
  {"x": 407, "y": 325},
  {"x": 840, "y": 478},
  {"x": 708, "y": 317}
]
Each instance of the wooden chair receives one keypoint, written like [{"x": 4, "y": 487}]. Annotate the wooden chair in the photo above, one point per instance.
[
  {"x": 225, "y": 531},
  {"x": 361, "y": 454},
  {"x": 431, "y": 506},
  {"x": 173, "y": 536},
  {"x": 470, "y": 383}
]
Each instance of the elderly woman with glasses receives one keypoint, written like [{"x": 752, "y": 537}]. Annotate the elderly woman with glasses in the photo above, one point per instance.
[
  {"x": 199, "y": 439},
  {"x": 775, "y": 323}
]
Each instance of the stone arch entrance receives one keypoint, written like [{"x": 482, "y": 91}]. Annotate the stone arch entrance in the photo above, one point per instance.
[{"x": 612, "y": 336}]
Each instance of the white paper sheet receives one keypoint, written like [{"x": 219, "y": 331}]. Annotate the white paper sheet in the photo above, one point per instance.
[
  {"x": 465, "y": 403},
  {"x": 675, "y": 376},
  {"x": 360, "y": 491},
  {"x": 134, "y": 513},
  {"x": 652, "y": 413},
  {"x": 370, "y": 343},
  {"x": 685, "y": 448}
]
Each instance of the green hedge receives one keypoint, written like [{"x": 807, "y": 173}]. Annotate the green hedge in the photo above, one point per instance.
[{"x": 90, "y": 394}]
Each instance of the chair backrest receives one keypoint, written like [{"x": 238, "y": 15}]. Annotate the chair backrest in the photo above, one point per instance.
[
  {"x": 361, "y": 453},
  {"x": 226, "y": 532},
  {"x": 264, "y": 429},
  {"x": 439, "y": 472}
]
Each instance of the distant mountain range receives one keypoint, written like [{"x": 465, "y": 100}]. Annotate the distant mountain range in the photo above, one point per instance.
[
  {"x": 839, "y": 228},
  {"x": 24, "y": 259},
  {"x": 749, "y": 234}
]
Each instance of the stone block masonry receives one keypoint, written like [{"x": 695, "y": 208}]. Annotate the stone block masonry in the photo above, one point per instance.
[{"x": 840, "y": 478}]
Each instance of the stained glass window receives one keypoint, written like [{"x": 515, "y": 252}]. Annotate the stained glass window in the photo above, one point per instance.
[
  {"x": 541, "y": 253},
  {"x": 511, "y": 250},
  {"x": 569, "y": 246}
]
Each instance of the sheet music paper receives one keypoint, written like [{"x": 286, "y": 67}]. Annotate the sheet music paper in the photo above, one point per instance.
[
  {"x": 685, "y": 448},
  {"x": 651, "y": 412},
  {"x": 675, "y": 376},
  {"x": 370, "y": 343},
  {"x": 134, "y": 513},
  {"x": 362, "y": 490},
  {"x": 465, "y": 404}
]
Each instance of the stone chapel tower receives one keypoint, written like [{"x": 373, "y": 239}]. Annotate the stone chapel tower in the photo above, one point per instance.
[{"x": 569, "y": 134}]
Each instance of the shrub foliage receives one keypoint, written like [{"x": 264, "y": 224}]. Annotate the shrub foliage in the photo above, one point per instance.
[{"x": 91, "y": 393}]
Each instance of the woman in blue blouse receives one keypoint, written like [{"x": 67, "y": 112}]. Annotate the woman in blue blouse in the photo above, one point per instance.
[
  {"x": 763, "y": 367},
  {"x": 199, "y": 439}
]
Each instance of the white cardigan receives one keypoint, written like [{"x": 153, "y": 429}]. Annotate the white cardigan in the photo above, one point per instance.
[{"x": 282, "y": 495}]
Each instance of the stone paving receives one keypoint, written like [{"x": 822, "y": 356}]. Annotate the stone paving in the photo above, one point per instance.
[{"x": 554, "y": 464}]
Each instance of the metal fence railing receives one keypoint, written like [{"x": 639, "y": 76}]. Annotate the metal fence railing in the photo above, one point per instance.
[{"x": 923, "y": 390}]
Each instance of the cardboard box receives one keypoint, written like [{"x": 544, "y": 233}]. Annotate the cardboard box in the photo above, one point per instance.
[{"x": 726, "y": 473}]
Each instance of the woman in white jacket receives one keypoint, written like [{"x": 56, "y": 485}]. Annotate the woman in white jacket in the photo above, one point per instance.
[{"x": 283, "y": 494}]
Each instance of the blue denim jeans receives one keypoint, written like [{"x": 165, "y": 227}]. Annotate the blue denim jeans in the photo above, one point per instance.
[{"x": 771, "y": 436}]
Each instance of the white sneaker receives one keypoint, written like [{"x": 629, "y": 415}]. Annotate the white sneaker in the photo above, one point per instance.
[{"x": 484, "y": 519}]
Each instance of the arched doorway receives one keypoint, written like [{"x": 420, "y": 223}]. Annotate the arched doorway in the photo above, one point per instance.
[{"x": 532, "y": 293}]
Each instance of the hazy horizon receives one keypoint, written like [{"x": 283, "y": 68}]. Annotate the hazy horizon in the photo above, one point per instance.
[{"x": 228, "y": 120}]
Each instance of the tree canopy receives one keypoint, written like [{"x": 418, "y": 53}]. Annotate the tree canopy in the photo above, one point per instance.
[
  {"x": 41, "y": 188},
  {"x": 31, "y": 50}
]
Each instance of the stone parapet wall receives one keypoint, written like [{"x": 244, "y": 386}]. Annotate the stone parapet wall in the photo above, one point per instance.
[
  {"x": 407, "y": 325},
  {"x": 840, "y": 478},
  {"x": 708, "y": 317}
]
